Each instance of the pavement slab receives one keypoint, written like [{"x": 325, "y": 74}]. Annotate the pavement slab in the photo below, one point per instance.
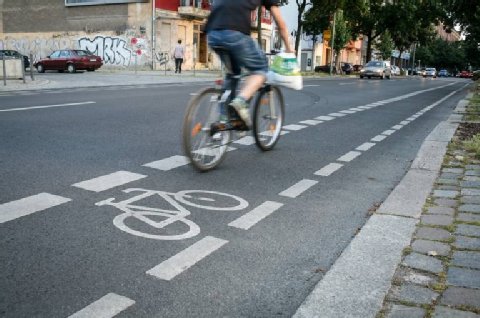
[
  {"x": 423, "y": 262},
  {"x": 413, "y": 294},
  {"x": 463, "y": 277},
  {"x": 445, "y": 312},
  {"x": 458, "y": 296},
  {"x": 401, "y": 311},
  {"x": 433, "y": 234},
  {"x": 469, "y": 243}
]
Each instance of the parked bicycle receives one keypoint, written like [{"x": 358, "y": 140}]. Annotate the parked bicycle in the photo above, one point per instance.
[{"x": 206, "y": 137}]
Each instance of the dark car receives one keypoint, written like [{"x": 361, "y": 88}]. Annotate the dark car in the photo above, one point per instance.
[
  {"x": 347, "y": 68},
  {"x": 443, "y": 73},
  {"x": 15, "y": 55},
  {"x": 69, "y": 60},
  {"x": 324, "y": 68},
  {"x": 465, "y": 74}
]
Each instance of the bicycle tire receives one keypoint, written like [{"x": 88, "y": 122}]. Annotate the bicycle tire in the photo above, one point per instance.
[
  {"x": 267, "y": 127},
  {"x": 205, "y": 153}
]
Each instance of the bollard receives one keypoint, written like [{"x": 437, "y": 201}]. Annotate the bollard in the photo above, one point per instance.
[
  {"x": 165, "y": 68},
  {"x": 4, "y": 72},
  {"x": 135, "y": 64},
  {"x": 23, "y": 70},
  {"x": 31, "y": 67}
]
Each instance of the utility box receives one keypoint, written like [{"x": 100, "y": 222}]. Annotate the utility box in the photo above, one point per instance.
[{"x": 13, "y": 67}]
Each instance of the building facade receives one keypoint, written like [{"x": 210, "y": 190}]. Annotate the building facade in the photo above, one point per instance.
[{"x": 125, "y": 33}]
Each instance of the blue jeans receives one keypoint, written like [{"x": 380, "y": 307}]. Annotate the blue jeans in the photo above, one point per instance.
[{"x": 242, "y": 49}]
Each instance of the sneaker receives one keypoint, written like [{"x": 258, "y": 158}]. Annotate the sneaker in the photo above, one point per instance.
[{"x": 241, "y": 107}]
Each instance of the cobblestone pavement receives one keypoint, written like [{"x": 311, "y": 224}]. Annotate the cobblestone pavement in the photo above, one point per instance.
[{"x": 439, "y": 275}]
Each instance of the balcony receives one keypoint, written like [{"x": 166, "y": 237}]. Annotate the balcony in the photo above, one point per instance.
[{"x": 194, "y": 8}]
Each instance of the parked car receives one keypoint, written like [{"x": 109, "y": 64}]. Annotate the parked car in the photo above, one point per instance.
[
  {"x": 347, "y": 68},
  {"x": 379, "y": 69},
  {"x": 69, "y": 60},
  {"x": 443, "y": 73},
  {"x": 16, "y": 55},
  {"x": 395, "y": 70},
  {"x": 430, "y": 72},
  {"x": 357, "y": 68},
  {"x": 421, "y": 72},
  {"x": 465, "y": 74},
  {"x": 324, "y": 68}
]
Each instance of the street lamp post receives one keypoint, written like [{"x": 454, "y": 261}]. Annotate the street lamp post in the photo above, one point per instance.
[{"x": 333, "y": 43}]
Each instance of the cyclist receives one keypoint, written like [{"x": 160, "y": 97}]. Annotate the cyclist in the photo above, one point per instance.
[{"x": 228, "y": 27}]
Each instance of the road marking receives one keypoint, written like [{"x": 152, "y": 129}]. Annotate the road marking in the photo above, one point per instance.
[
  {"x": 378, "y": 138},
  {"x": 311, "y": 85},
  {"x": 168, "y": 163},
  {"x": 357, "y": 109},
  {"x": 247, "y": 141},
  {"x": 328, "y": 169},
  {"x": 39, "y": 202},
  {"x": 349, "y": 156},
  {"x": 397, "y": 127},
  {"x": 411, "y": 118},
  {"x": 364, "y": 107},
  {"x": 294, "y": 127},
  {"x": 365, "y": 146},
  {"x": 109, "y": 181},
  {"x": 106, "y": 307},
  {"x": 324, "y": 118},
  {"x": 337, "y": 114},
  {"x": 182, "y": 261},
  {"x": 346, "y": 83},
  {"x": 251, "y": 218},
  {"x": 311, "y": 122},
  {"x": 347, "y": 111},
  {"x": 388, "y": 132},
  {"x": 46, "y": 106},
  {"x": 298, "y": 188},
  {"x": 404, "y": 122}
]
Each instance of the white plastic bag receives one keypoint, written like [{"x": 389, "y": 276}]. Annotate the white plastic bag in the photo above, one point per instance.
[{"x": 285, "y": 71}]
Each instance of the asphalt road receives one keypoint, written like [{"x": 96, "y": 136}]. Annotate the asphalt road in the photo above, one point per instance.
[{"x": 65, "y": 152}]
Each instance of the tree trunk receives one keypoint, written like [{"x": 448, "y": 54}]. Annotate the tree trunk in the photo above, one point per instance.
[
  {"x": 369, "y": 47},
  {"x": 259, "y": 26},
  {"x": 301, "y": 9}
]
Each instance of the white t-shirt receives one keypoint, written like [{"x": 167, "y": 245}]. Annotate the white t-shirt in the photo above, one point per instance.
[{"x": 178, "y": 52}]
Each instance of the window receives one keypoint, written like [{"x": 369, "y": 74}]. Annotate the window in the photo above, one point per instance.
[
  {"x": 71, "y": 3},
  {"x": 55, "y": 55}
]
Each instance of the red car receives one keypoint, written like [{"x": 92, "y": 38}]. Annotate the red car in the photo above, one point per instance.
[
  {"x": 466, "y": 74},
  {"x": 69, "y": 60}
]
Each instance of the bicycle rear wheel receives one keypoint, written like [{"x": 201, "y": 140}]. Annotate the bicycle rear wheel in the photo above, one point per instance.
[
  {"x": 268, "y": 117},
  {"x": 204, "y": 149}
]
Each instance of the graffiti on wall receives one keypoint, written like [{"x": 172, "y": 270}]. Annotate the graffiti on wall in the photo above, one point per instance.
[
  {"x": 162, "y": 58},
  {"x": 113, "y": 50}
]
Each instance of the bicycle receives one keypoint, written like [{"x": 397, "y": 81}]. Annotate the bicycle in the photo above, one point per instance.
[{"x": 206, "y": 138}]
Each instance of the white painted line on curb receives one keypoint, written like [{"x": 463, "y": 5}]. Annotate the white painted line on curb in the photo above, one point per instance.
[
  {"x": 349, "y": 156},
  {"x": 177, "y": 264},
  {"x": 298, "y": 188},
  {"x": 46, "y": 106},
  {"x": 365, "y": 146},
  {"x": 294, "y": 127},
  {"x": 35, "y": 203},
  {"x": 168, "y": 163},
  {"x": 328, "y": 169},
  {"x": 378, "y": 138},
  {"x": 109, "y": 181},
  {"x": 251, "y": 218},
  {"x": 311, "y": 122},
  {"x": 324, "y": 118},
  {"x": 106, "y": 307}
]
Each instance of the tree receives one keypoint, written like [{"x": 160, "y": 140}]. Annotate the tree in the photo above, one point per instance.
[
  {"x": 301, "y": 6},
  {"x": 315, "y": 21},
  {"x": 342, "y": 35},
  {"x": 385, "y": 45}
]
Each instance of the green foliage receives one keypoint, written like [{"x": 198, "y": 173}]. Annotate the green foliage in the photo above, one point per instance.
[
  {"x": 385, "y": 45},
  {"x": 442, "y": 55},
  {"x": 342, "y": 33}
]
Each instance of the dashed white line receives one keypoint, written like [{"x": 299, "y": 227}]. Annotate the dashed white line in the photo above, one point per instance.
[
  {"x": 397, "y": 127},
  {"x": 388, "y": 132},
  {"x": 311, "y": 122},
  {"x": 106, "y": 307},
  {"x": 378, "y": 138},
  {"x": 365, "y": 146},
  {"x": 337, "y": 114},
  {"x": 404, "y": 122},
  {"x": 177, "y": 264},
  {"x": 347, "y": 111},
  {"x": 109, "y": 181},
  {"x": 46, "y": 106},
  {"x": 294, "y": 127},
  {"x": 349, "y": 156},
  {"x": 168, "y": 163},
  {"x": 324, "y": 118},
  {"x": 328, "y": 169},
  {"x": 35, "y": 203},
  {"x": 357, "y": 109},
  {"x": 251, "y": 218},
  {"x": 247, "y": 141},
  {"x": 298, "y": 188}
]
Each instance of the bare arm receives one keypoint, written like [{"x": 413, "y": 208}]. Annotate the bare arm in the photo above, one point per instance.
[{"x": 282, "y": 27}]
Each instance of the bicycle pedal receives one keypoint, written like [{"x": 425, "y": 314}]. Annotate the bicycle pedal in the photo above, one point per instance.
[{"x": 239, "y": 125}]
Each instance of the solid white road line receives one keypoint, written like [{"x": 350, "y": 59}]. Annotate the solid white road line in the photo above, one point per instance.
[
  {"x": 109, "y": 181},
  {"x": 251, "y": 218},
  {"x": 388, "y": 132},
  {"x": 324, "y": 118},
  {"x": 15, "y": 209},
  {"x": 349, "y": 156},
  {"x": 298, "y": 188},
  {"x": 182, "y": 261},
  {"x": 168, "y": 163},
  {"x": 337, "y": 114},
  {"x": 311, "y": 122},
  {"x": 365, "y": 146},
  {"x": 294, "y": 127},
  {"x": 328, "y": 169},
  {"x": 106, "y": 307},
  {"x": 378, "y": 138},
  {"x": 46, "y": 106},
  {"x": 247, "y": 141}
]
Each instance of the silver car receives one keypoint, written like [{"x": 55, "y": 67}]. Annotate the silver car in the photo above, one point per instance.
[
  {"x": 430, "y": 71},
  {"x": 379, "y": 69}
]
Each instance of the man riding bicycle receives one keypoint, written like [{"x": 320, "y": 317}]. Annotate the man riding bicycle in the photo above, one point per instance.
[{"x": 228, "y": 27}]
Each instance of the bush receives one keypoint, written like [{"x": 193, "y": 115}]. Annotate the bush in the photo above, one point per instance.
[{"x": 476, "y": 75}]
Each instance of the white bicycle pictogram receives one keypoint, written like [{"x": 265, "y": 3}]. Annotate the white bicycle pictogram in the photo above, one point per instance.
[{"x": 194, "y": 198}]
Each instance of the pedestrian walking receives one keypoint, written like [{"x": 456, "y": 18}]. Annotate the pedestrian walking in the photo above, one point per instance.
[{"x": 178, "y": 55}]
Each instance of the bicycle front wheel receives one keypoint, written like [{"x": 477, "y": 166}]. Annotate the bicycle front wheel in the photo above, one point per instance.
[
  {"x": 268, "y": 117},
  {"x": 204, "y": 148}
]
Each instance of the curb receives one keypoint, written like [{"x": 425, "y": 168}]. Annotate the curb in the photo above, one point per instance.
[{"x": 359, "y": 280}]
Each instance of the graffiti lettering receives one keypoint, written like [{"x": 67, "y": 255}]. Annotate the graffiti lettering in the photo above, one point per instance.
[
  {"x": 112, "y": 50},
  {"x": 162, "y": 57}
]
